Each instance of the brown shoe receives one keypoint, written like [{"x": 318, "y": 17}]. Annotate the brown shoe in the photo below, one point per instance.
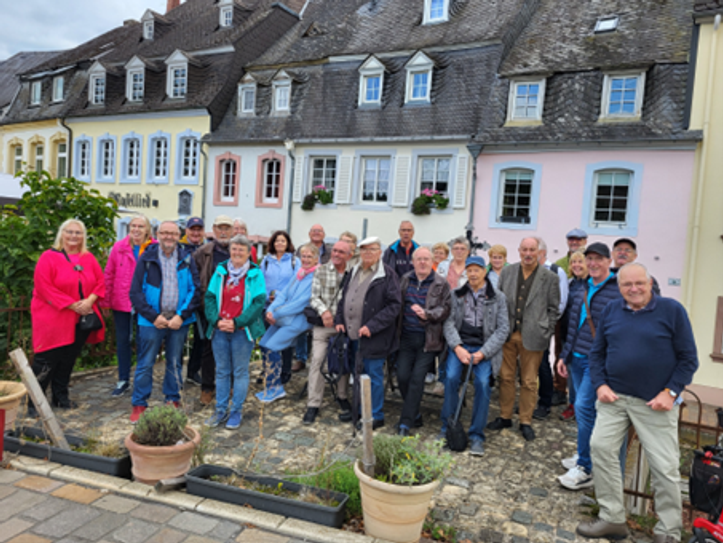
[
  {"x": 438, "y": 389},
  {"x": 602, "y": 528},
  {"x": 297, "y": 365},
  {"x": 207, "y": 397}
]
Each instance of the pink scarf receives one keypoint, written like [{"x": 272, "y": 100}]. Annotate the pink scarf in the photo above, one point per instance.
[{"x": 303, "y": 272}]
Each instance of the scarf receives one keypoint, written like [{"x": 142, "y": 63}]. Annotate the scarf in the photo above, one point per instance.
[
  {"x": 303, "y": 272},
  {"x": 236, "y": 274}
]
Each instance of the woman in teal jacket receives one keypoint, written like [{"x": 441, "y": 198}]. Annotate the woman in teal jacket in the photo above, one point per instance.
[{"x": 234, "y": 309}]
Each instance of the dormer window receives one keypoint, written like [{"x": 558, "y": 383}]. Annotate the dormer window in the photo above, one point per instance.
[
  {"x": 606, "y": 24},
  {"x": 58, "y": 89},
  {"x": 135, "y": 80},
  {"x": 526, "y": 100},
  {"x": 247, "y": 96},
  {"x": 623, "y": 96},
  {"x": 148, "y": 30},
  {"x": 282, "y": 93},
  {"x": 225, "y": 13},
  {"x": 36, "y": 88},
  {"x": 96, "y": 88},
  {"x": 419, "y": 79},
  {"x": 177, "y": 75},
  {"x": 371, "y": 82},
  {"x": 436, "y": 11}
]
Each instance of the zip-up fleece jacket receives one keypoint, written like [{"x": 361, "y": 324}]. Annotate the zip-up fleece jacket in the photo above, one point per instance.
[
  {"x": 148, "y": 285},
  {"x": 119, "y": 274},
  {"x": 251, "y": 317},
  {"x": 398, "y": 259},
  {"x": 495, "y": 324},
  {"x": 437, "y": 305}
]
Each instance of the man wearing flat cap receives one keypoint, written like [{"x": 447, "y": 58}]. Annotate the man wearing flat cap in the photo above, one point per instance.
[{"x": 576, "y": 240}]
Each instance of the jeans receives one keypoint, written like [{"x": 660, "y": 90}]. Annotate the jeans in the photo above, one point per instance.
[
  {"x": 585, "y": 413},
  {"x": 442, "y": 365},
  {"x": 196, "y": 357},
  {"x": 413, "y": 363},
  {"x": 546, "y": 388},
  {"x": 150, "y": 340},
  {"x": 374, "y": 368},
  {"x": 124, "y": 321},
  {"x": 232, "y": 352},
  {"x": 302, "y": 347},
  {"x": 481, "y": 407}
]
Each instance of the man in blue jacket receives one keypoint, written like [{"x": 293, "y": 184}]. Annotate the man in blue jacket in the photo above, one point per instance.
[
  {"x": 398, "y": 255},
  {"x": 165, "y": 294},
  {"x": 643, "y": 357}
]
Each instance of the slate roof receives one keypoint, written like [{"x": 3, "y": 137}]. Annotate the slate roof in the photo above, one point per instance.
[
  {"x": 707, "y": 6},
  {"x": 16, "y": 64}
]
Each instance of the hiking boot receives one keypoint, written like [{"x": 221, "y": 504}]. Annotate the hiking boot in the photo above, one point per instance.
[
  {"x": 559, "y": 397},
  {"x": 476, "y": 448},
  {"x": 207, "y": 396},
  {"x": 499, "y": 423},
  {"x": 310, "y": 415},
  {"x": 193, "y": 379},
  {"x": 541, "y": 412},
  {"x": 527, "y": 432},
  {"x": 568, "y": 413},
  {"x": 120, "y": 389},
  {"x": 375, "y": 425},
  {"x": 601, "y": 528},
  {"x": 137, "y": 412},
  {"x": 576, "y": 478}
]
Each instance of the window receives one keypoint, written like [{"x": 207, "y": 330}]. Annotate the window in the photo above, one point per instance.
[
  {"x": 148, "y": 30},
  {"x": 83, "y": 159},
  {"x": 526, "y": 100},
  {"x": 136, "y": 85},
  {"x": 606, "y": 24},
  {"x": 372, "y": 89},
  {"x": 375, "y": 179},
  {"x": 58, "y": 90},
  {"x": 371, "y": 82},
  {"x": 189, "y": 150},
  {"x": 39, "y": 156},
  {"x": 228, "y": 180},
  {"x": 623, "y": 95},
  {"x": 247, "y": 98},
  {"x": 179, "y": 81},
  {"x": 133, "y": 159},
  {"x": 612, "y": 191},
  {"x": 323, "y": 172},
  {"x": 436, "y": 11},
  {"x": 272, "y": 181},
  {"x": 97, "y": 89},
  {"x": 419, "y": 78},
  {"x": 159, "y": 149},
  {"x": 420, "y": 86},
  {"x": 18, "y": 159},
  {"x": 226, "y": 16},
  {"x": 434, "y": 174},
  {"x": 35, "y": 92},
  {"x": 107, "y": 159},
  {"x": 516, "y": 205},
  {"x": 62, "y": 159},
  {"x": 282, "y": 91}
]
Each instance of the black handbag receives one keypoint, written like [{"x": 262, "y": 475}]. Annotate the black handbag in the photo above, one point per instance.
[
  {"x": 312, "y": 317},
  {"x": 456, "y": 436},
  {"x": 90, "y": 322}
]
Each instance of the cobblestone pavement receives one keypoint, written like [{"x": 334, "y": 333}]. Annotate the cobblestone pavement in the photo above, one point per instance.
[
  {"x": 36, "y": 509},
  {"x": 509, "y": 495}
]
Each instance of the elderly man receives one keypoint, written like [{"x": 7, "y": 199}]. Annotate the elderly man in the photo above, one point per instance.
[
  {"x": 316, "y": 236},
  {"x": 207, "y": 260},
  {"x": 398, "y": 255},
  {"x": 192, "y": 240},
  {"x": 194, "y": 236},
  {"x": 165, "y": 294},
  {"x": 576, "y": 240},
  {"x": 426, "y": 304},
  {"x": 585, "y": 314},
  {"x": 643, "y": 357},
  {"x": 240, "y": 229},
  {"x": 475, "y": 331},
  {"x": 368, "y": 313},
  {"x": 625, "y": 251},
  {"x": 533, "y": 305},
  {"x": 325, "y": 293}
]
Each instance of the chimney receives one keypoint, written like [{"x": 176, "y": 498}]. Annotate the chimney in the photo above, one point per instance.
[{"x": 170, "y": 4}]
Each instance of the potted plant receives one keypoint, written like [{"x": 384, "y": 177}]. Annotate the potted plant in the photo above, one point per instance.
[
  {"x": 11, "y": 394},
  {"x": 396, "y": 500},
  {"x": 429, "y": 198},
  {"x": 321, "y": 195},
  {"x": 161, "y": 445}
]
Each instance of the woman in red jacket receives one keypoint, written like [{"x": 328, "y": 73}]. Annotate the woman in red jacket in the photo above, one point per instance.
[
  {"x": 62, "y": 273},
  {"x": 118, "y": 277}
]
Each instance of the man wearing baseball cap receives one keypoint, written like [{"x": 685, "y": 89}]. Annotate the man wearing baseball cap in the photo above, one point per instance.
[
  {"x": 475, "y": 331},
  {"x": 192, "y": 240},
  {"x": 625, "y": 251},
  {"x": 194, "y": 235}
]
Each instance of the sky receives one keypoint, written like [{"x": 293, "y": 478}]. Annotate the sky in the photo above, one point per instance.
[{"x": 50, "y": 25}]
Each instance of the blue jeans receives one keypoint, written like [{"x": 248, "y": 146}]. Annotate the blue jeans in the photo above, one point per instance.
[
  {"x": 232, "y": 353},
  {"x": 150, "y": 340},
  {"x": 124, "y": 321},
  {"x": 481, "y": 407},
  {"x": 374, "y": 368},
  {"x": 585, "y": 413},
  {"x": 302, "y": 347},
  {"x": 442, "y": 365}
]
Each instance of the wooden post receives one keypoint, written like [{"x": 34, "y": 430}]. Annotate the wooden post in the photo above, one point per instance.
[
  {"x": 50, "y": 423},
  {"x": 2, "y": 433},
  {"x": 368, "y": 460}
]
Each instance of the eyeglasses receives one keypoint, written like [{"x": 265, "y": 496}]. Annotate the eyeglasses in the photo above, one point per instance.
[
  {"x": 169, "y": 234},
  {"x": 621, "y": 250},
  {"x": 636, "y": 284},
  {"x": 74, "y": 232},
  {"x": 369, "y": 249}
]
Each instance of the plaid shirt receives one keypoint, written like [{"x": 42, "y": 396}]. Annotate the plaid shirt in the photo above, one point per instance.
[
  {"x": 169, "y": 286},
  {"x": 325, "y": 291}
]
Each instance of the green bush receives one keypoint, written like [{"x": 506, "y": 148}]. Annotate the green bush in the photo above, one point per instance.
[
  {"x": 407, "y": 461},
  {"x": 339, "y": 478},
  {"x": 160, "y": 426}
]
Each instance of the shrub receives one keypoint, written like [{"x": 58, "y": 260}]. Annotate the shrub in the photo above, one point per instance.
[
  {"x": 405, "y": 461},
  {"x": 338, "y": 478},
  {"x": 160, "y": 426}
]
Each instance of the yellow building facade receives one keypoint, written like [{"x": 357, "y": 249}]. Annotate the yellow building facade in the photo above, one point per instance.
[
  {"x": 703, "y": 281},
  {"x": 41, "y": 145}
]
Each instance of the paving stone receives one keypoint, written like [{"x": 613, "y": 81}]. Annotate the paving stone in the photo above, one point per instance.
[
  {"x": 28, "y": 538},
  {"x": 201, "y": 539},
  {"x": 6, "y": 490},
  {"x": 11, "y": 528},
  {"x": 39, "y": 483},
  {"x": 117, "y": 504},
  {"x": 540, "y": 527},
  {"x": 225, "y": 530},
  {"x": 154, "y": 512},
  {"x": 48, "y": 508},
  {"x": 10, "y": 476},
  {"x": 77, "y": 493},
  {"x": 468, "y": 509},
  {"x": 100, "y": 526},
  {"x": 462, "y": 536},
  {"x": 18, "y": 502},
  {"x": 443, "y": 515},
  {"x": 464, "y": 483},
  {"x": 135, "y": 531},
  {"x": 540, "y": 492},
  {"x": 518, "y": 539},
  {"x": 564, "y": 534},
  {"x": 522, "y": 517},
  {"x": 193, "y": 522},
  {"x": 167, "y": 535},
  {"x": 252, "y": 535},
  {"x": 65, "y": 522}
]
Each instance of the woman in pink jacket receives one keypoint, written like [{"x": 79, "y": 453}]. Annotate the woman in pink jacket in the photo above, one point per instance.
[
  {"x": 61, "y": 274},
  {"x": 118, "y": 277}
]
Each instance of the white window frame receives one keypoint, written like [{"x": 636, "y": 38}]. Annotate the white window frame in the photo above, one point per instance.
[
  {"x": 418, "y": 65},
  {"x": 177, "y": 91},
  {"x": 84, "y": 150},
  {"x": 58, "y": 89},
  {"x": 607, "y": 24},
  {"x": 62, "y": 155},
  {"x": 325, "y": 169},
  {"x": 132, "y": 159},
  {"x": 17, "y": 159},
  {"x": 428, "y": 19},
  {"x": 242, "y": 91},
  {"x": 371, "y": 68},
  {"x": 39, "y": 157},
  {"x": 607, "y": 92},
  {"x": 362, "y": 173},
  {"x": 226, "y": 17},
  {"x": 36, "y": 93},
  {"x": 131, "y": 94},
  {"x": 282, "y": 89},
  {"x": 271, "y": 179},
  {"x": 512, "y": 102},
  {"x": 189, "y": 153},
  {"x": 97, "y": 89},
  {"x": 628, "y": 198},
  {"x": 420, "y": 160},
  {"x": 159, "y": 157},
  {"x": 148, "y": 30},
  {"x": 501, "y": 199},
  {"x": 107, "y": 147},
  {"x": 229, "y": 172}
]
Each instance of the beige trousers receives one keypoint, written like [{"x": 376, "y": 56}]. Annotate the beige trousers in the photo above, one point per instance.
[{"x": 319, "y": 346}]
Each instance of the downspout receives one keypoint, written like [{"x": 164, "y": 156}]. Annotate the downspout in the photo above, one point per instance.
[
  {"x": 69, "y": 152},
  {"x": 474, "y": 150},
  {"x": 710, "y": 87},
  {"x": 289, "y": 144},
  {"x": 203, "y": 190}
]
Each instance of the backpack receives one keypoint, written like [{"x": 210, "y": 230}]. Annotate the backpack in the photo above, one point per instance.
[{"x": 338, "y": 356}]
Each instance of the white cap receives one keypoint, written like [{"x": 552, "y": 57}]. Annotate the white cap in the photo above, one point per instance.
[{"x": 370, "y": 240}]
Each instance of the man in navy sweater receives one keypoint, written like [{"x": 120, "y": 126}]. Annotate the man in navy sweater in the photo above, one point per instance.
[{"x": 642, "y": 358}]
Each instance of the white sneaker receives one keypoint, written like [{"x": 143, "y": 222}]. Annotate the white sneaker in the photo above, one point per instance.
[
  {"x": 569, "y": 463},
  {"x": 429, "y": 378},
  {"x": 576, "y": 478}
]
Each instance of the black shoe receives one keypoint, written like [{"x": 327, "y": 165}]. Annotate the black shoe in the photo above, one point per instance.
[
  {"x": 32, "y": 412},
  {"x": 527, "y": 432},
  {"x": 344, "y": 405},
  {"x": 310, "y": 415},
  {"x": 65, "y": 404},
  {"x": 541, "y": 412},
  {"x": 499, "y": 423},
  {"x": 559, "y": 398},
  {"x": 345, "y": 416},
  {"x": 375, "y": 425},
  {"x": 193, "y": 379},
  {"x": 403, "y": 431},
  {"x": 418, "y": 422}
]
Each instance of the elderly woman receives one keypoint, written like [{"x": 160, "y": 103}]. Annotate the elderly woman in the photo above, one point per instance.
[
  {"x": 498, "y": 260},
  {"x": 68, "y": 284},
  {"x": 234, "y": 310},
  {"x": 440, "y": 253},
  {"x": 118, "y": 278},
  {"x": 454, "y": 270},
  {"x": 287, "y": 320}
]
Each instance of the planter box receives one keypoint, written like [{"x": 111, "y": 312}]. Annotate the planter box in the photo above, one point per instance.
[
  {"x": 198, "y": 484},
  {"x": 118, "y": 467}
]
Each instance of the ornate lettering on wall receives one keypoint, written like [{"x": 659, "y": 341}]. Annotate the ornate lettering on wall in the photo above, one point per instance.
[{"x": 133, "y": 200}]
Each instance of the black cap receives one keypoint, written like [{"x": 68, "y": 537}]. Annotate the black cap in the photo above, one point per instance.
[
  {"x": 625, "y": 240},
  {"x": 599, "y": 249}
]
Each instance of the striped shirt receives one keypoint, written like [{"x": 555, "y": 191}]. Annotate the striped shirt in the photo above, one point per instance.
[
  {"x": 169, "y": 285},
  {"x": 416, "y": 294}
]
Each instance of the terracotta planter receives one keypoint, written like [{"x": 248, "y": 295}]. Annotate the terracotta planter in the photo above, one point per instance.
[
  {"x": 11, "y": 394},
  {"x": 151, "y": 464},
  {"x": 394, "y": 512}
]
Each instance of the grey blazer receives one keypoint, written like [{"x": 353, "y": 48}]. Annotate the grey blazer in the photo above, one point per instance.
[{"x": 541, "y": 310}]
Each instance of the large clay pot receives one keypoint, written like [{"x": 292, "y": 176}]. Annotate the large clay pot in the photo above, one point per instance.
[
  {"x": 394, "y": 512},
  {"x": 151, "y": 464},
  {"x": 11, "y": 394}
]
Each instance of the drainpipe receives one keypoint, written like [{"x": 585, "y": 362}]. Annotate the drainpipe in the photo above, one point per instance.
[
  {"x": 203, "y": 189},
  {"x": 710, "y": 88},
  {"x": 290, "y": 146},
  {"x": 474, "y": 150},
  {"x": 69, "y": 153}
]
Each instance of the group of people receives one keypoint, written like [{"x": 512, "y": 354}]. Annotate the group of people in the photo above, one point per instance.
[{"x": 623, "y": 353}]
